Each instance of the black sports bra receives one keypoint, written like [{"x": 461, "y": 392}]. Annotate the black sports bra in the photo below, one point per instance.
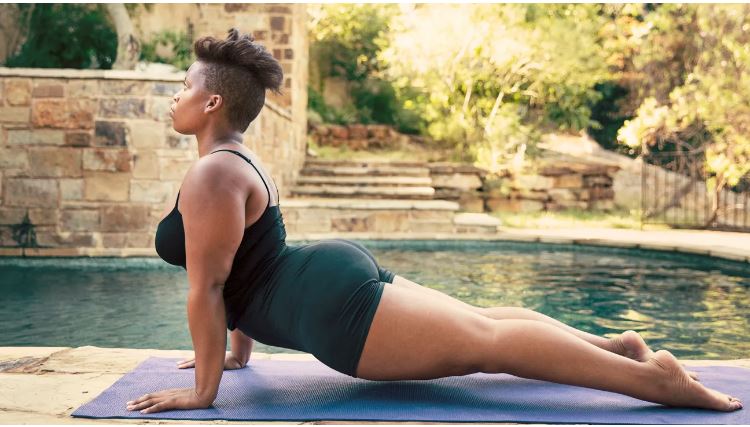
[
  {"x": 261, "y": 249},
  {"x": 170, "y": 232}
]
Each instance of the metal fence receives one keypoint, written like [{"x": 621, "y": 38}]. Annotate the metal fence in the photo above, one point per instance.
[{"x": 675, "y": 192}]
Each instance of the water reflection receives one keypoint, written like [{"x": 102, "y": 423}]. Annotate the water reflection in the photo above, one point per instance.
[{"x": 695, "y": 307}]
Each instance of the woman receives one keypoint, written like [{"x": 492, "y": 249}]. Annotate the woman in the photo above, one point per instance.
[{"x": 331, "y": 298}]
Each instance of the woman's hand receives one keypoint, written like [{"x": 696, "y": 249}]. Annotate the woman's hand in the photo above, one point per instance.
[
  {"x": 230, "y": 362},
  {"x": 176, "y": 398}
]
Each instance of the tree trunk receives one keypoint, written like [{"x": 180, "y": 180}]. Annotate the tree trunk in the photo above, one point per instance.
[
  {"x": 715, "y": 201},
  {"x": 14, "y": 28},
  {"x": 128, "y": 46}
]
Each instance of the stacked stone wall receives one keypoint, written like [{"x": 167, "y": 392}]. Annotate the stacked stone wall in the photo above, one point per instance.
[
  {"x": 460, "y": 183},
  {"x": 91, "y": 157},
  {"x": 557, "y": 186},
  {"x": 360, "y": 136}
]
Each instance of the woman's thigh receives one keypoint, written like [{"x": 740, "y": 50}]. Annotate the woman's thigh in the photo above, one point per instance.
[
  {"x": 421, "y": 291},
  {"x": 422, "y": 339}
]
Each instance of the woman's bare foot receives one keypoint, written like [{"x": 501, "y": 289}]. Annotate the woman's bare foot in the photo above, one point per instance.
[
  {"x": 680, "y": 390},
  {"x": 631, "y": 345}
]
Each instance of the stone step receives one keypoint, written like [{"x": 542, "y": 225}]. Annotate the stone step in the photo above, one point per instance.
[
  {"x": 374, "y": 192},
  {"x": 367, "y": 204},
  {"x": 471, "y": 222},
  {"x": 382, "y": 181},
  {"x": 365, "y": 170},
  {"x": 329, "y": 215},
  {"x": 360, "y": 163}
]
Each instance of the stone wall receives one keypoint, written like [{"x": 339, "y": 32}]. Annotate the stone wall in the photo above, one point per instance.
[
  {"x": 91, "y": 157},
  {"x": 281, "y": 28},
  {"x": 459, "y": 182},
  {"x": 556, "y": 186}
]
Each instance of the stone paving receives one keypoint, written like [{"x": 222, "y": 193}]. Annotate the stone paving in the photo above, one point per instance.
[
  {"x": 733, "y": 246},
  {"x": 44, "y": 385}
]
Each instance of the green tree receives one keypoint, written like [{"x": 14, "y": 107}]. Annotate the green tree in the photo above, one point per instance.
[
  {"x": 66, "y": 36},
  {"x": 490, "y": 79},
  {"x": 345, "y": 41},
  {"x": 179, "y": 43},
  {"x": 707, "y": 110}
]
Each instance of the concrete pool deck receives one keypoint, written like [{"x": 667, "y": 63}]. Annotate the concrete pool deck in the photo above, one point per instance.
[{"x": 44, "y": 385}]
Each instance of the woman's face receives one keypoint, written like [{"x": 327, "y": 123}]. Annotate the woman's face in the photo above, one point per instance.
[{"x": 188, "y": 111}]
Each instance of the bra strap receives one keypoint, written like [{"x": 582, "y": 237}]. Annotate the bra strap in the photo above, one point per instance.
[{"x": 256, "y": 170}]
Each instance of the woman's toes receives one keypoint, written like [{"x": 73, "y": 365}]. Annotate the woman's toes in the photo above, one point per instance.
[
  {"x": 682, "y": 392},
  {"x": 734, "y": 404}
]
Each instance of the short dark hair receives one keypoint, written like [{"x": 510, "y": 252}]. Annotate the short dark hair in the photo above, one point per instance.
[{"x": 240, "y": 71}]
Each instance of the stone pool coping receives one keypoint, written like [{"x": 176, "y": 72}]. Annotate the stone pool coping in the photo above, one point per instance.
[
  {"x": 719, "y": 244},
  {"x": 44, "y": 385}
]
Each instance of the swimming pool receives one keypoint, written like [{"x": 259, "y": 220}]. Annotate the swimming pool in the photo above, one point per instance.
[{"x": 694, "y": 306}]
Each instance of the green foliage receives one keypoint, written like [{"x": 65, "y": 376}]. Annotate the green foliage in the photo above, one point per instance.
[
  {"x": 66, "y": 36},
  {"x": 326, "y": 113},
  {"x": 345, "y": 43},
  {"x": 488, "y": 81},
  {"x": 706, "y": 109},
  {"x": 564, "y": 39},
  {"x": 347, "y": 37},
  {"x": 179, "y": 43},
  {"x": 607, "y": 112}
]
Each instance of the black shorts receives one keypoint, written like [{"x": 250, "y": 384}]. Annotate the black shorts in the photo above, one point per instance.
[{"x": 320, "y": 299}]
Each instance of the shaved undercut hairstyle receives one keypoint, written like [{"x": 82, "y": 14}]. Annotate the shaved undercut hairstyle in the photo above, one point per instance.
[{"x": 240, "y": 71}]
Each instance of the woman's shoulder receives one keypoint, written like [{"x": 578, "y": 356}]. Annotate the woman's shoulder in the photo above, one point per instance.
[
  {"x": 205, "y": 176},
  {"x": 220, "y": 169}
]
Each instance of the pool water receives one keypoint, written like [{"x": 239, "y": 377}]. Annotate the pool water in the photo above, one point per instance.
[{"x": 696, "y": 307}]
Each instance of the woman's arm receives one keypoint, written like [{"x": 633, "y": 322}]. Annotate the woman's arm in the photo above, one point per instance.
[
  {"x": 241, "y": 345},
  {"x": 207, "y": 324},
  {"x": 213, "y": 215}
]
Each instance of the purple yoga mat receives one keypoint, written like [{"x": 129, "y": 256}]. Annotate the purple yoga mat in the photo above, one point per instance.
[{"x": 275, "y": 390}]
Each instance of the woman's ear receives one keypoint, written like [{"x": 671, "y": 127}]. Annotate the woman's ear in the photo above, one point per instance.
[{"x": 214, "y": 103}]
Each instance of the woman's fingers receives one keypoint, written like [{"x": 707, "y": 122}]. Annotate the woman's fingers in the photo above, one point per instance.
[
  {"x": 161, "y": 406},
  {"x": 151, "y": 405},
  {"x": 150, "y": 400},
  {"x": 186, "y": 363},
  {"x": 176, "y": 398},
  {"x": 152, "y": 396},
  {"x": 141, "y": 399},
  {"x": 141, "y": 405}
]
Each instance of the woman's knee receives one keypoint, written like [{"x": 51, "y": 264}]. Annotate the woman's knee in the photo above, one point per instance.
[{"x": 506, "y": 335}]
